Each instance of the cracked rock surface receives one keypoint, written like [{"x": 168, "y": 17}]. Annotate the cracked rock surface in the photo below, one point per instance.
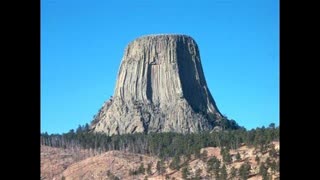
[{"x": 160, "y": 88}]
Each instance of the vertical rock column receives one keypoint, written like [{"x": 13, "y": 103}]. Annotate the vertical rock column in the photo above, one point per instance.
[{"x": 160, "y": 88}]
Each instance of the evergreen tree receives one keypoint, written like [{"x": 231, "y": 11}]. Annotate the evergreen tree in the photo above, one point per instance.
[
  {"x": 185, "y": 172},
  {"x": 160, "y": 167},
  {"x": 273, "y": 166},
  {"x": 188, "y": 156},
  {"x": 213, "y": 166},
  {"x": 273, "y": 152},
  {"x": 141, "y": 169},
  {"x": 272, "y": 125},
  {"x": 196, "y": 152},
  {"x": 226, "y": 155},
  {"x": 263, "y": 171},
  {"x": 238, "y": 157},
  {"x": 244, "y": 171},
  {"x": 268, "y": 162},
  {"x": 257, "y": 159},
  {"x": 233, "y": 173},
  {"x": 204, "y": 155},
  {"x": 149, "y": 168},
  {"x": 223, "y": 173},
  {"x": 175, "y": 164}
]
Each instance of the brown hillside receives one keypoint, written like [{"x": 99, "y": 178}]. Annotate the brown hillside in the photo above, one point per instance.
[
  {"x": 55, "y": 160},
  {"x": 57, "y": 163}
]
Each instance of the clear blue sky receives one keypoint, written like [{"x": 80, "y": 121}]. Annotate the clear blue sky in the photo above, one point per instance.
[{"x": 82, "y": 43}]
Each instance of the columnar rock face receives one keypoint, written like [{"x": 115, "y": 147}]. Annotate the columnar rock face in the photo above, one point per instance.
[{"x": 160, "y": 88}]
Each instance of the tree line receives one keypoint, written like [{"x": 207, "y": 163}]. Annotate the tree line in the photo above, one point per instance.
[{"x": 163, "y": 145}]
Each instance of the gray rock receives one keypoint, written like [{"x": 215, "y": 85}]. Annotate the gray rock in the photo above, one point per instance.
[{"x": 160, "y": 88}]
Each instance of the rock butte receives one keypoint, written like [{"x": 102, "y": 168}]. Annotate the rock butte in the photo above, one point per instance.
[{"x": 160, "y": 88}]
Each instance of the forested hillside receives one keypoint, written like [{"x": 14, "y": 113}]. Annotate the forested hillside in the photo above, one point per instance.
[{"x": 163, "y": 145}]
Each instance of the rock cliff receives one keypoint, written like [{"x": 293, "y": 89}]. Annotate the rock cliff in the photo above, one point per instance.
[{"x": 160, "y": 88}]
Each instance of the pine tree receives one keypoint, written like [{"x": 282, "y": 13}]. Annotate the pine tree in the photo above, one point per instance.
[
  {"x": 272, "y": 125},
  {"x": 226, "y": 155},
  {"x": 233, "y": 173},
  {"x": 149, "y": 168},
  {"x": 238, "y": 157},
  {"x": 213, "y": 166},
  {"x": 273, "y": 152},
  {"x": 268, "y": 162},
  {"x": 273, "y": 166},
  {"x": 257, "y": 159},
  {"x": 160, "y": 167},
  {"x": 175, "y": 164},
  {"x": 141, "y": 169},
  {"x": 263, "y": 171},
  {"x": 223, "y": 173},
  {"x": 204, "y": 155},
  {"x": 185, "y": 172},
  {"x": 244, "y": 171}
]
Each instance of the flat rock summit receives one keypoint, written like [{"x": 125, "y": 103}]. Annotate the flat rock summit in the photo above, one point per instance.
[{"x": 160, "y": 88}]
